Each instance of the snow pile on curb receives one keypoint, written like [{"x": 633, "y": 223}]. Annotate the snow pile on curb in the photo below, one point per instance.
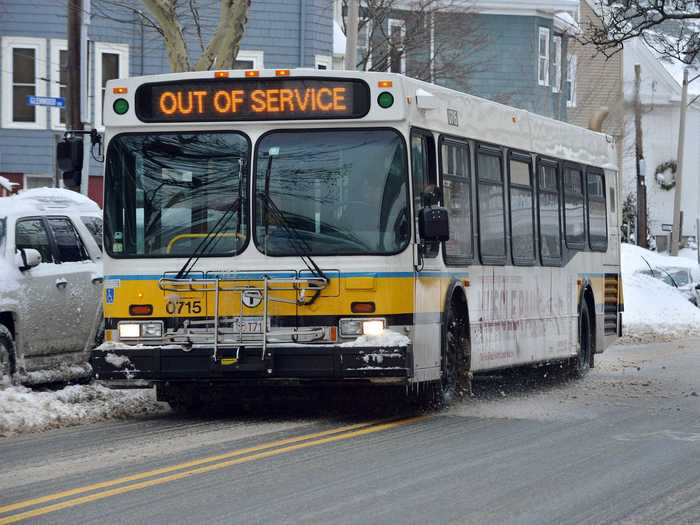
[
  {"x": 25, "y": 410},
  {"x": 653, "y": 309}
]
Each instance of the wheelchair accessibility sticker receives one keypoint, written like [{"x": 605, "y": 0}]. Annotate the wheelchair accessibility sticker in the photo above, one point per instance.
[{"x": 109, "y": 295}]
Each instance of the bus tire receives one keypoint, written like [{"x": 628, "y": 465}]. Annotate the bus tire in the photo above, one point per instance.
[
  {"x": 8, "y": 365},
  {"x": 454, "y": 369},
  {"x": 582, "y": 363},
  {"x": 183, "y": 399}
]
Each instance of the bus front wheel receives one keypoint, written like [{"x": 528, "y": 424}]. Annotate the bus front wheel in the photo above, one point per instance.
[{"x": 455, "y": 352}]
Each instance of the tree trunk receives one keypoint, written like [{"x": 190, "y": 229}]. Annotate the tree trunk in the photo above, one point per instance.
[
  {"x": 223, "y": 47},
  {"x": 164, "y": 12}
]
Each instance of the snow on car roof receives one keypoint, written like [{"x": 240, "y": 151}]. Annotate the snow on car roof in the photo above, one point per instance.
[{"x": 47, "y": 199}]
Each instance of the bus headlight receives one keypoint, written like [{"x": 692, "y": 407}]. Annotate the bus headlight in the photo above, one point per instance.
[
  {"x": 357, "y": 327},
  {"x": 145, "y": 330},
  {"x": 373, "y": 327}
]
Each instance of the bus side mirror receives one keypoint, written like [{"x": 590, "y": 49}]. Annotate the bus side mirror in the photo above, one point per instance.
[
  {"x": 433, "y": 224},
  {"x": 69, "y": 158}
]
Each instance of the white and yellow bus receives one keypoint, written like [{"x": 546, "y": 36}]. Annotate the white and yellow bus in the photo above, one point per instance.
[{"x": 300, "y": 226}]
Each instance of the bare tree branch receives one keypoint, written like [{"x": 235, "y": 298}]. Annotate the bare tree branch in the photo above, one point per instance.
[
  {"x": 223, "y": 47},
  {"x": 671, "y": 28},
  {"x": 197, "y": 24},
  {"x": 164, "y": 13}
]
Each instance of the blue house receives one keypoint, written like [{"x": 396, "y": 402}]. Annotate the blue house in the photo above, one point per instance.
[
  {"x": 279, "y": 34},
  {"x": 511, "y": 51}
]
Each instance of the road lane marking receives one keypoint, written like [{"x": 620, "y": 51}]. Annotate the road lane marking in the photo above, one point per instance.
[
  {"x": 377, "y": 427},
  {"x": 165, "y": 470}
]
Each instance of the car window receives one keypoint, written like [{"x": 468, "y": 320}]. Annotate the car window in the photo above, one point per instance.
[
  {"x": 94, "y": 226},
  {"x": 31, "y": 233},
  {"x": 70, "y": 246}
]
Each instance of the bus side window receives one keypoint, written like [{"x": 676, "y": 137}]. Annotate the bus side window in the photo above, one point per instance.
[
  {"x": 574, "y": 213},
  {"x": 597, "y": 218},
  {"x": 522, "y": 218},
  {"x": 549, "y": 214},
  {"x": 456, "y": 188},
  {"x": 424, "y": 178},
  {"x": 492, "y": 227}
]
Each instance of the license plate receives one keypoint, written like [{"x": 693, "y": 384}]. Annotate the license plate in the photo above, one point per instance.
[{"x": 248, "y": 325}]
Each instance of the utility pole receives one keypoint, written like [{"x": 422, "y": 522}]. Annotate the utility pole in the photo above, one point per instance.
[
  {"x": 639, "y": 157},
  {"x": 351, "y": 35},
  {"x": 676, "y": 232},
  {"x": 73, "y": 103}
]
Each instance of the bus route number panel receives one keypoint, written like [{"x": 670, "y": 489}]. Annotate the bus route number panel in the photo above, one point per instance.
[{"x": 252, "y": 99}]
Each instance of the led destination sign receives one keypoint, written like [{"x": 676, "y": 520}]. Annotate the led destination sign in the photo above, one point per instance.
[{"x": 251, "y": 99}]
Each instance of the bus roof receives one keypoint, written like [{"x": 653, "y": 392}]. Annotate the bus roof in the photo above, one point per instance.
[{"x": 357, "y": 103}]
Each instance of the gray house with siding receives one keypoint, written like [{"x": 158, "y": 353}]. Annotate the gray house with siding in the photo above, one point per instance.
[{"x": 279, "y": 34}]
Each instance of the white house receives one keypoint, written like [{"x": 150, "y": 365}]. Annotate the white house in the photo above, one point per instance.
[{"x": 660, "y": 93}]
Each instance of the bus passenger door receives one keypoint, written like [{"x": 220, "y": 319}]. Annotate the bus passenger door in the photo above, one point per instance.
[{"x": 428, "y": 298}]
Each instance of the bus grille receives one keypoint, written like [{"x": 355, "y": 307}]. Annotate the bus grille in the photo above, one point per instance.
[{"x": 612, "y": 283}]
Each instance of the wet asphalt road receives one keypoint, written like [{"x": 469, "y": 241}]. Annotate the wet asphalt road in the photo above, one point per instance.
[{"x": 620, "y": 446}]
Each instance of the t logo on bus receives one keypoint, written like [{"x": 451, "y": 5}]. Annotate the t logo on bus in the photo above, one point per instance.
[{"x": 251, "y": 298}]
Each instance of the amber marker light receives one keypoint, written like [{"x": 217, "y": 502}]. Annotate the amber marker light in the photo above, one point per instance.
[
  {"x": 220, "y": 74},
  {"x": 120, "y": 90},
  {"x": 385, "y": 84},
  {"x": 282, "y": 72},
  {"x": 252, "y": 73}
]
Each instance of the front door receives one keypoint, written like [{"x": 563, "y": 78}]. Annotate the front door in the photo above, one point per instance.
[{"x": 428, "y": 296}]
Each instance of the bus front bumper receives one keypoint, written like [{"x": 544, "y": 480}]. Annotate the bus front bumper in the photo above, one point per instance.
[{"x": 119, "y": 367}]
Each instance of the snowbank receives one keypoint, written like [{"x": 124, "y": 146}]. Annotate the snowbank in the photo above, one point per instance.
[
  {"x": 25, "y": 410},
  {"x": 386, "y": 339},
  {"x": 653, "y": 309}
]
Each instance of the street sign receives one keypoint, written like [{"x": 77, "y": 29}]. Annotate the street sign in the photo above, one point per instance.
[
  {"x": 54, "y": 102},
  {"x": 667, "y": 227}
]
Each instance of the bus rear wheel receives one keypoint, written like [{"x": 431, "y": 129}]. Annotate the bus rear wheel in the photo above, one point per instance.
[{"x": 582, "y": 362}]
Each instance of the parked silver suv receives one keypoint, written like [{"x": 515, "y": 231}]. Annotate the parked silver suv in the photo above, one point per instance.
[{"x": 50, "y": 284}]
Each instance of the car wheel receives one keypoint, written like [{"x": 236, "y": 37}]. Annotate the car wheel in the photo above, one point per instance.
[
  {"x": 582, "y": 363},
  {"x": 7, "y": 355}
]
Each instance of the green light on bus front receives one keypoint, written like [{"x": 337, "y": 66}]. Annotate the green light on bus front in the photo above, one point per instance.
[
  {"x": 120, "y": 106},
  {"x": 385, "y": 99}
]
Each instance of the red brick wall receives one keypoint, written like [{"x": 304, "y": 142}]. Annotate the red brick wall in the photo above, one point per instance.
[{"x": 95, "y": 188}]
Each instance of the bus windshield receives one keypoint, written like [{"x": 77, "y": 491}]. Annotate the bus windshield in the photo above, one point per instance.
[
  {"x": 332, "y": 192},
  {"x": 165, "y": 192}
]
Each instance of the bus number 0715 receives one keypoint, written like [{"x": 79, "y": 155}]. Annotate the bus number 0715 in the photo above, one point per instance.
[{"x": 183, "y": 307}]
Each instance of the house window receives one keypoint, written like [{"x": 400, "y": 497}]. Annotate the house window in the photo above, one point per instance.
[
  {"x": 396, "y": 55},
  {"x": 556, "y": 63},
  {"x": 249, "y": 60},
  {"x": 364, "y": 49},
  {"x": 24, "y": 63},
  {"x": 323, "y": 62},
  {"x": 111, "y": 61},
  {"x": 38, "y": 181},
  {"x": 571, "y": 82},
  {"x": 59, "y": 80},
  {"x": 543, "y": 58}
]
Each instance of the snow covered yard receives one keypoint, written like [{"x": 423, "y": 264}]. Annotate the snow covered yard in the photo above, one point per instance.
[
  {"x": 26, "y": 410},
  {"x": 653, "y": 309}
]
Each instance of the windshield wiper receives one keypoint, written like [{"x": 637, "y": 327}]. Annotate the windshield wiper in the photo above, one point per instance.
[
  {"x": 206, "y": 242},
  {"x": 295, "y": 239}
]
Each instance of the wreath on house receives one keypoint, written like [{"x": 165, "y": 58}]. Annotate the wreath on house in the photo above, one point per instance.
[{"x": 665, "y": 175}]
